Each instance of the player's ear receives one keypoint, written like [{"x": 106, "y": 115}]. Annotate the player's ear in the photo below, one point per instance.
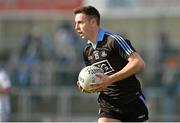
[{"x": 93, "y": 21}]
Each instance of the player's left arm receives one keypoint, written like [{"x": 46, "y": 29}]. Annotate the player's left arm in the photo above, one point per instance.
[{"x": 135, "y": 64}]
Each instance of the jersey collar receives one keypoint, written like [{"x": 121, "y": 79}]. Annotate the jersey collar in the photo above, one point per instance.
[{"x": 99, "y": 37}]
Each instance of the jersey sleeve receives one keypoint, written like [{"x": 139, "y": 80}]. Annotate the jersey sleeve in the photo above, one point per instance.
[{"x": 122, "y": 46}]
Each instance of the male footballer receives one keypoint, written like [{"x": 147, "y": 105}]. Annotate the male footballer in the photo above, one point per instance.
[{"x": 120, "y": 95}]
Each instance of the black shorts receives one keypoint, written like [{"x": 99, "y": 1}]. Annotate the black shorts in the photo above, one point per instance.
[{"x": 135, "y": 111}]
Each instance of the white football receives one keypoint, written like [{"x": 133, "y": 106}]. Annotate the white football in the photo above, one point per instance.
[{"x": 88, "y": 75}]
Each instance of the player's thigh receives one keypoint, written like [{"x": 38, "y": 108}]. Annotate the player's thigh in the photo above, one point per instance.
[{"x": 106, "y": 119}]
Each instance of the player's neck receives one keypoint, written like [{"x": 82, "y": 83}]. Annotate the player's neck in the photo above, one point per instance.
[{"x": 94, "y": 35}]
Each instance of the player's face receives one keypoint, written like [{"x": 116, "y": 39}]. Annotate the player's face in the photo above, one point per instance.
[{"x": 83, "y": 25}]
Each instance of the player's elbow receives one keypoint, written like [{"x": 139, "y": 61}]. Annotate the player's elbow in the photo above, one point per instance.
[{"x": 141, "y": 65}]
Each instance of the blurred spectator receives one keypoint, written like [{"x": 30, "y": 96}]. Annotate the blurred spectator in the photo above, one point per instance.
[
  {"x": 35, "y": 47},
  {"x": 169, "y": 83},
  {"x": 23, "y": 65},
  {"x": 5, "y": 86},
  {"x": 22, "y": 75},
  {"x": 165, "y": 48},
  {"x": 38, "y": 43},
  {"x": 178, "y": 89},
  {"x": 67, "y": 51},
  {"x": 65, "y": 43}
]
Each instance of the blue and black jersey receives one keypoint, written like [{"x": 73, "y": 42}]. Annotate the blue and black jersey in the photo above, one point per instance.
[{"x": 111, "y": 53}]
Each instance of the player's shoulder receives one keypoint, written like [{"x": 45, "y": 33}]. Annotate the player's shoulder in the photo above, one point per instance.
[
  {"x": 87, "y": 46},
  {"x": 114, "y": 36}
]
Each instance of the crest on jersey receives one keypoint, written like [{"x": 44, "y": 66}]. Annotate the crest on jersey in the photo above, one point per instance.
[
  {"x": 90, "y": 57},
  {"x": 103, "y": 54}
]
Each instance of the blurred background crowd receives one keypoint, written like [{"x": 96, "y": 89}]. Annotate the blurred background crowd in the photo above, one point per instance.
[{"x": 42, "y": 55}]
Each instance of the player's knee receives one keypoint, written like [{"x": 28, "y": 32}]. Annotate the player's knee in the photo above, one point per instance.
[{"x": 105, "y": 119}]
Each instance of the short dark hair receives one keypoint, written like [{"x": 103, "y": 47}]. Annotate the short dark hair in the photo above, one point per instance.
[{"x": 90, "y": 11}]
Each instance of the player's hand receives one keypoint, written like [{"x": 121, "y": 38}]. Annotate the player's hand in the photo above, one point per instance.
[
  {"x": 104, "y": 82},
  {"x": 81, "y": 89}
]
